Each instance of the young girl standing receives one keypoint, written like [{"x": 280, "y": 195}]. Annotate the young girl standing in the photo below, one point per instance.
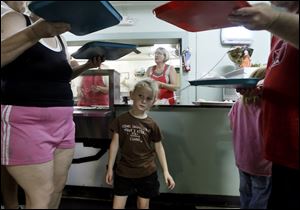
[
  {"x": 255, "y": 171},
  {"x": 138, "y": 139}
]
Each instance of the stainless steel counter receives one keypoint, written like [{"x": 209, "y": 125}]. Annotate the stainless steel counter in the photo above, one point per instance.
[
  {"x": 92, "y": 123},
  {"x": 98, "y": 111},
  {"x": 92, "y": 130}
]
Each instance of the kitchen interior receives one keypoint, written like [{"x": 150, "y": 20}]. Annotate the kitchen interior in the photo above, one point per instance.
[
  {"x": 208, "y": 49},
  {"x": 198, "y": 141}
]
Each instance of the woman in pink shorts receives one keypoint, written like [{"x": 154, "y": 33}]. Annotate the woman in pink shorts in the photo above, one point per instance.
[{"x": 37, "y": 128}]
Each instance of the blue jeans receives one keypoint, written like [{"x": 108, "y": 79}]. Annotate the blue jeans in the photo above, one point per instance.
[{"x": 254, "y": 191}]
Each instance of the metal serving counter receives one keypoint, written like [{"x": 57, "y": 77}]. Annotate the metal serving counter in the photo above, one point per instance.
[
  {"x": 92, "y": 129},
  {"x": 92, "y": 123}
]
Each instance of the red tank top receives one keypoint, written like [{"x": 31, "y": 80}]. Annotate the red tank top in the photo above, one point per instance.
[
  {"x": 163, "y": 93},
  {"x": 88, "y": 96}
]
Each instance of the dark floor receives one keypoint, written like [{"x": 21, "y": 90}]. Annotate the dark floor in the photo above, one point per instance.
[
  {"x": 73, "y": 203},
  {"x": 101, "y": 198},
  {"x": 79, "y": 197}
]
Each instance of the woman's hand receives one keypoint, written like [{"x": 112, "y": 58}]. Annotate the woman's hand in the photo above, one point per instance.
[
  {"x": 258, "y": 17},
  {"x": 160, "y": 84},
  {"x": 95, "y": 62},
  {"x": 44, "y": 29},
  {"x": 96, "y": 88},
  {"x": 91, "y": 63},
  {"x": 256, "y": 91}
]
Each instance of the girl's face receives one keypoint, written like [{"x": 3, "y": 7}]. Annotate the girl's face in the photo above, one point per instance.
[{"x": 143, "y": 98}]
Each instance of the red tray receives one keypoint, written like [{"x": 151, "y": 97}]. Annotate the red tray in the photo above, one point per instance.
[{"x": 197, "y": 16}]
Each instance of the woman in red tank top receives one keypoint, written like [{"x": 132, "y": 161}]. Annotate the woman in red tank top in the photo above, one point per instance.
[
  {"x": 93, "y": 91},
  {"x": 165, "y": 75}
]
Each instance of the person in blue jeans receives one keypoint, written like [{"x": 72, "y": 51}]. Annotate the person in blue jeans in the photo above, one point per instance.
[
  {"x": 255, "y": 171},
  {"x": 280, "y": 101}
]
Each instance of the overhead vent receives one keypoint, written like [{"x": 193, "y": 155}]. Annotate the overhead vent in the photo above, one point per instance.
[{"x": 236, "y": 36}]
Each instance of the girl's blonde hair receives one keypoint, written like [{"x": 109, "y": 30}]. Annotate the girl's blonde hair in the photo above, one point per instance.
[
  {"x": 147, "y": 82},
  {"x": 164, "y": 52},
  {"x": 260, "y": 74}
]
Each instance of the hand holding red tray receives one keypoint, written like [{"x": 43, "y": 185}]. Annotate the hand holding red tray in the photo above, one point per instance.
[{"x": 197, "y": 16}]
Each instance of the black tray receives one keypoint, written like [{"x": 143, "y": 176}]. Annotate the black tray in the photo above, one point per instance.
[
  {"x": 226, "y": 83},
  {"x": 84, "y": 16},
  {"x": 111, "y": 51}
]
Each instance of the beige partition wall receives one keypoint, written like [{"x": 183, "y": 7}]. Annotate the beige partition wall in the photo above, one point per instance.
[{"x": 198, "y": 147}]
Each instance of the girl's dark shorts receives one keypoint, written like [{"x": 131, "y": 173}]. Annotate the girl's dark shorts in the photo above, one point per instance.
[{"x": 145, "y": 187}]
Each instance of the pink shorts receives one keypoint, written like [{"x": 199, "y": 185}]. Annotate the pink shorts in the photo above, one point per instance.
[{"x": 30, "y": 135}]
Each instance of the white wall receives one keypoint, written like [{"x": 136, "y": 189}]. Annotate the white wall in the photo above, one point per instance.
[{"x": 205, "y": 47}]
